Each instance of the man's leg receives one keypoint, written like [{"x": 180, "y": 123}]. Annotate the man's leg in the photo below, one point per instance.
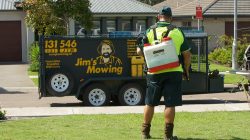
[
  {"x": 169, "y": 115},
  {"x": 172, "y": 97},
  {"x": 148, "y": 115},
  {"x": 152, "y": 99}
]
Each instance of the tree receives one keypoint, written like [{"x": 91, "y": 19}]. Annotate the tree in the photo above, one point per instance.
[
  {"x": 151, "y": 2},
  {"x": 53, "y": 16}
]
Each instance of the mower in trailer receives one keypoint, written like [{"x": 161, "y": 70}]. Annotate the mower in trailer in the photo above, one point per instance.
[{"x": 244, "y": 70}]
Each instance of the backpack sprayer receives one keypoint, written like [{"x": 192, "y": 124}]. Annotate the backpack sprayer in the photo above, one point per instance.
[
  {"x": 161, "y": 55},
  {"x": 160, "y": 50}
]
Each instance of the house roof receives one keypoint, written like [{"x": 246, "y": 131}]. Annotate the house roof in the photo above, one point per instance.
[
  {"x": 120, "y": 7},
  {"x": 171, "y": 3},
  {"x": 209, "y": 7},
  {"x": 226, "y": 7},
  {"x": 103, "y": 7},
  {"x": 189, "y": 8},
  {"x": 7, "y": 5}
]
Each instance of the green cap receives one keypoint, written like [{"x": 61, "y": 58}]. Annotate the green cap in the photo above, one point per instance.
[{"x": 166, "y": 11}]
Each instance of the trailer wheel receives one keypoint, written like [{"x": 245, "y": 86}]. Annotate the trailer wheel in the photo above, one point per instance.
[
  {"x": 60, "y": 84},
  {"x": 96, "y": 95},
  {"x": 131, "y": 94}
]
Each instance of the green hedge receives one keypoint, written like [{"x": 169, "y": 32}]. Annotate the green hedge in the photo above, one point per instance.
[{"x": 34, "y": 56}]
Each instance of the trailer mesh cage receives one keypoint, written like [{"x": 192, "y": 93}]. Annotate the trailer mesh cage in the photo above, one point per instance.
[
  {"x": 198, "y": 82},
  {"x": 199, "y": 49}
]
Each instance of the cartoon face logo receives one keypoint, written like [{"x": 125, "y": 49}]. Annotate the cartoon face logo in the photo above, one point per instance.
[{"x": 106, "y": 51}]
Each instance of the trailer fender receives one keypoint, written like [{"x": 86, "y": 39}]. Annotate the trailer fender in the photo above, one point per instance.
[
  {"x": 131, "y": 94},
  {"x": 96, "y": 94},
  {"x": 85, "y": 84}
]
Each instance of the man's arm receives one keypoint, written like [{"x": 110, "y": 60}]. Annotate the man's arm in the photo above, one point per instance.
[
  {"x": 186, "y": 56},
  {"x": 141, "y": 40},
  {"x": 187, "y": 62}
]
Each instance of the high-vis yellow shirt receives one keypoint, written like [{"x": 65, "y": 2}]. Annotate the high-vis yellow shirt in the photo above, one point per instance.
[{"x": 176, "y": 35}]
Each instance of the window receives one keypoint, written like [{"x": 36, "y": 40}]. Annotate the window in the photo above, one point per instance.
[
  {"x": 79, "y": 30},
  {"x": 96, "y": 28},
  {"x": 111, "y": 25},
  {"x": 140, "y": 25},
  {"x": 126, "y": 25},
  {"x": 186, "y": 24}
]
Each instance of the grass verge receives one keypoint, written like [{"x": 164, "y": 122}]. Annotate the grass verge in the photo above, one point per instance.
[
  {"x": 32, "y": 73},
  {"x": 34, "y": 77},
  {"x": 195, "y": 126}
]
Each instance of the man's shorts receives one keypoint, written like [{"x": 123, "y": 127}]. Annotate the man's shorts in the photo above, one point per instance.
[{"x": 167, "y": 85}]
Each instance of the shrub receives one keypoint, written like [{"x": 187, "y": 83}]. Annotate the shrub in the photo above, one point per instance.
[
  {"x": 34, "y": 56},
  {"x": 223, "y": 53},
  {"x": 2, "y": 114},
  {"x": 221, "y": 56}
]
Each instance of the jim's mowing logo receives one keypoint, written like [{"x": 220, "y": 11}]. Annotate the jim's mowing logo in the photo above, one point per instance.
[{"x": 106, "y": 62}]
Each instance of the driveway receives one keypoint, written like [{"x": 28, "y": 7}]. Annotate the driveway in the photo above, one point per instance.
[
  {"x": 18, "y": 90},
  {"x": 14, "y": 75}
]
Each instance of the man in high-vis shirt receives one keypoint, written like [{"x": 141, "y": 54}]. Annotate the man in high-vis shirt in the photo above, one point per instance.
[{"x": 166, "y": 81}]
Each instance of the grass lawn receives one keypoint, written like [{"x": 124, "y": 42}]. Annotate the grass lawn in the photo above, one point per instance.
[
  {"x": 188, "y": 126},
  {"x": 228, "y": 78},
  {"x": 221, "y": 68},
  {"x": 34, "y": 79},
  {"x": 32, "y": 73}
]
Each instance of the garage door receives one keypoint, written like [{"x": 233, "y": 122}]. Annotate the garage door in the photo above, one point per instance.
[{"x": 10, "y": 41}]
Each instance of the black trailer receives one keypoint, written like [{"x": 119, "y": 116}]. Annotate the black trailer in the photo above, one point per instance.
[{"x": 97, "y": 73}]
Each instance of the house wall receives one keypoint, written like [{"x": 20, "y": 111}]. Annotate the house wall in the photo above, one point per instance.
[
  {"x": 27, "y": 35},
  {"x": 214, "y": 27}
]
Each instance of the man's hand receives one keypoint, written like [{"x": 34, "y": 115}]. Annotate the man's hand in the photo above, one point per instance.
[
  {"x": 187, "y": 62},
  {"x": 185, "y": 75},
  {"x": 139, "y": 51}
]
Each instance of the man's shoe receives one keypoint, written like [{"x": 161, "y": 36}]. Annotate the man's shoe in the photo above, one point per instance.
[
  {"x": 145, "y": 131},
  {"x": 146, "y": 137},
  {"x": 172, "y": 138}
]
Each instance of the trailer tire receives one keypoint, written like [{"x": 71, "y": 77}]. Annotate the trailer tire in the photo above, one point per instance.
[
  {"x": 96, "y": 95},
  {"x": 60, "y": 84},
  {"x": 131, "y": 94}
]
